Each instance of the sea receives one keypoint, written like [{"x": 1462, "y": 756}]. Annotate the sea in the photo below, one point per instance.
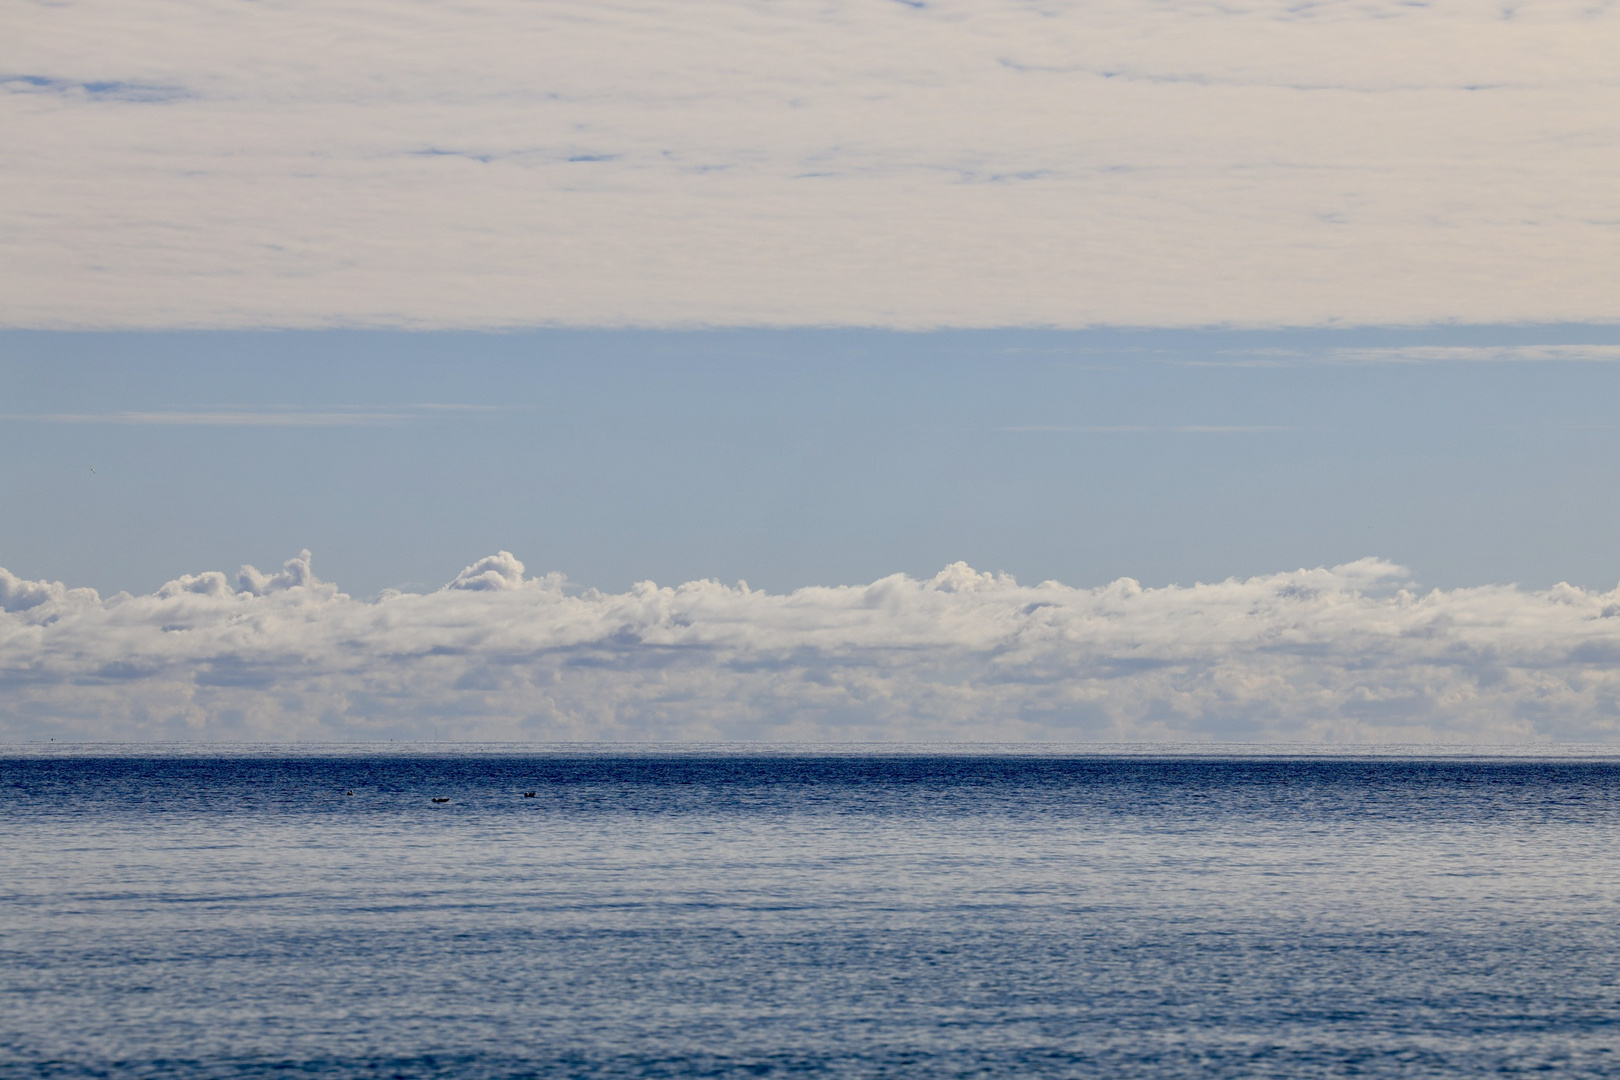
[{"x": 472, "y": 911}]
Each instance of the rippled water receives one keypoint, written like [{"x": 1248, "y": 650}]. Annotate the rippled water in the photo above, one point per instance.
[{"x": 841, "y": 914}]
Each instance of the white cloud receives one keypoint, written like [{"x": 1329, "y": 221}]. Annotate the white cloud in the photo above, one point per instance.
[
  {"x": 498, "y": 162},
  {"x": 1348, "y": 654},
  {"x": 295, "y": 574},
  {"x": 1410, "y": 354},
  {"x": 496, "y": 572},
  {"x": 1500, "y": 354}
]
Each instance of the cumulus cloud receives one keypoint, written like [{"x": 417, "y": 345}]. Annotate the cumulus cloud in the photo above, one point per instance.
[
  {"x": 295, "y": 574},
  {"x": 1348, "y": 653},
  {"x": 19, "y": 595},
  {"x": 942, "y": 162},
  {"x": 500, "y": 571}
]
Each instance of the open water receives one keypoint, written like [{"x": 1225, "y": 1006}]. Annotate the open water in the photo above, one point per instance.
[{"x": 743, "y": 913}]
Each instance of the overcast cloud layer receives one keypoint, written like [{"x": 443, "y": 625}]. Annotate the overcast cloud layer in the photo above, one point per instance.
[
  {"x": 1345, "y": 654},
  {"x": 925, "y": 162}
]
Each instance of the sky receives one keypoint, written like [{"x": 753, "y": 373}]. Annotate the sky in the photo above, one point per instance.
[
  {"x": 875, "y": 370},
  {"x": 793, "y": 458},
  {"x": 896, "y": 163}
]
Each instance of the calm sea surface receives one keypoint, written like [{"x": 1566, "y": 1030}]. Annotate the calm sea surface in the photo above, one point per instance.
[{"x": 751, "y": 914}]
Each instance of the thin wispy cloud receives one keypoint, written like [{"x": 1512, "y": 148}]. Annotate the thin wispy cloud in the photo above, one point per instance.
[
  {"x": 1478, "y": 354},
  {"x": 1349, "y": 653},
  {"x": 1153, "y": 429},
  {"x": 217, "y": 419},
  {"x": 254, "y": 417},
  {"x": 860, "y": 162},
  {"x": 1401, "y": 354}
]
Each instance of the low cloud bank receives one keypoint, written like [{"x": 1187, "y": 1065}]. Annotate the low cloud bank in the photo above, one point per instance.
[{"x": 1351, "y": 653}]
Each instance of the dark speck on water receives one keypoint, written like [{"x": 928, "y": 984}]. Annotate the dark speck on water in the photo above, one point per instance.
[{"x": 207, "y": 914}]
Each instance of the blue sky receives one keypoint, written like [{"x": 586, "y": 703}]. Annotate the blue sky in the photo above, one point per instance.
[
  {"x": 1048, "y": 369},
  {"x": 792, "y": 458}
]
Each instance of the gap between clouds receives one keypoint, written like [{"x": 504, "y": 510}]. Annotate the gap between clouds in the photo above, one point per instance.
[{"x": 1349, "y": 653}]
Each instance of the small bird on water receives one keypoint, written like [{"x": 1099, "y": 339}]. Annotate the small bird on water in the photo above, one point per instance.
[{"x": 438, "y": 798}]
